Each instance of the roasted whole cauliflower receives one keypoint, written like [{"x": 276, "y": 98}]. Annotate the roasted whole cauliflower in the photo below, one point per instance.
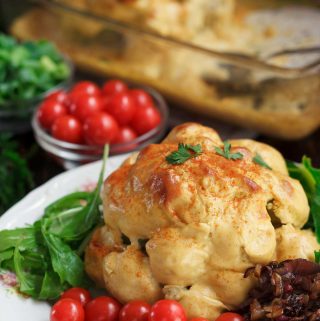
[{"x": 189, "y": 231}]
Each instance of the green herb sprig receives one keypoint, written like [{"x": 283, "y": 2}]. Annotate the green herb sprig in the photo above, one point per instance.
[
  {"x": 46, "y": 256},
  {"x": 184, "y": 152},
  {"x": 226, "y": 152},
  {"x": 317, "y": 256},
  {"x": 260, "y": 161},
  {"x": 309, "y": 178}
]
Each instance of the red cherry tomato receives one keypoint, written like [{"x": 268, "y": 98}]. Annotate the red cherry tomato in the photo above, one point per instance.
[
  {"x": 199, "y": 319},
  {"x": 49, "y": 111},
  {"x": 112, "y": 87},
  {"x": 167, "y": 310},
  {"x": 125, "y": 135},
  {"x": 135, "y": 311},
  {"x": 106, "y": 103},
  {"x": 84, "y": 106},
  {"x": 122, "y": 108},
  {"x": 60, "y": 96},
  {"x": 102, "y": 308},
  {"x": 145, "y": 119},
  {"x": 230, "y": 316},
  {"x": 86, "y": 87},
  {"x": 78, "y": 294},
  {"x": 67, "y": 310},
  {"x": 100, "y": 129},
  {"x": 141, "y": 98},
  {"x": 67, "y": 128}
]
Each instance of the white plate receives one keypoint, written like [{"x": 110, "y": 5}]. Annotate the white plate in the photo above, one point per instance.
[{"x": 12, "y": 306}]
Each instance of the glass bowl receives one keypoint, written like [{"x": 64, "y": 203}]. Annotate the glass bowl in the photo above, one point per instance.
[
  {"x": 15, "y": 116},
  {"x": 71, "y": 155},
  {"x": 277, "y": 96}
]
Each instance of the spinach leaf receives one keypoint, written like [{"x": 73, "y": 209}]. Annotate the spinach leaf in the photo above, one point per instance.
[
  {"x": 73, "y": 217},
  {"x": 36, "y": 260},
  {"x": 28, "y": 283},
  {"x": 5, "y": 255},
  {"x": 24, "y": 238},
  {"x": 65, "y": 262},
  {"x": 51, "y": 287},
  {"x": 46, "y": 256},
  {"x": 61, "y": 217}
]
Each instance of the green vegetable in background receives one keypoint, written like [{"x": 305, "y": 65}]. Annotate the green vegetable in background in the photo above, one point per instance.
[
  {"x": 28, "y": 69},
  {"x": 15, "y": 177},
  {"x": 310, "y": 180},
  {"x": 46, "y": 256}
]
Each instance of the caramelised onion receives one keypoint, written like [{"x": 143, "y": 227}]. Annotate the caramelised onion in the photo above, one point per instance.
[{"x": 286, "y": 291}]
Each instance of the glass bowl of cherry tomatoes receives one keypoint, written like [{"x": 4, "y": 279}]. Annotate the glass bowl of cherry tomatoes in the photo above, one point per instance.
[{"x": 73, "y": 126}]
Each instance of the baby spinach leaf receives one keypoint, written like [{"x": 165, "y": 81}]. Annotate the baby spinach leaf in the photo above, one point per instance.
[
  {"x": 28, "y": 283},
  {"x": 5, "y": 255},
  {"x": 74, "y": 216},
  {"x": 36, "y": 260},
  {"x": 51, "y": 287},
  {"x": 46, "y": 256},
  {"x": 24, "y": 238},
  {"x": 65, "y": 262}
]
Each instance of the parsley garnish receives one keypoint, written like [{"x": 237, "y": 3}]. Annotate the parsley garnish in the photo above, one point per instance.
[
  {"x": 259, "y": 160},
  {"x": 184, "y": 152},
  {"x": 317, "y": 256},
  {"x": 226, "y": 152}
]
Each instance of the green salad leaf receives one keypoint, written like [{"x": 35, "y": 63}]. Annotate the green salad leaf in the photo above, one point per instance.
[
  {"x": 51, "y": 285},
  {"x": 29, "y": 283},
  {"x": 47, "y": 256},
  {"x": 65, "y": 262},
  {"x": 309, "y": 178}
]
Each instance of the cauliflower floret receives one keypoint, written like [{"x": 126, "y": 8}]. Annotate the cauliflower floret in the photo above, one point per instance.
[
  {"x": 194, "y": 228},
  {"x": 295, "y": 244},
  {"x": 128, "y": 276}
]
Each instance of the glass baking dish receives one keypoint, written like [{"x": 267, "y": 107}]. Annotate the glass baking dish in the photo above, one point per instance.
[{"x": 271, "y": 98}]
